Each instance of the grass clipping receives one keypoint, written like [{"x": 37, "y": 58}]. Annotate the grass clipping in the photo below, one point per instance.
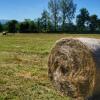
[{"x": 74, "y": 67}]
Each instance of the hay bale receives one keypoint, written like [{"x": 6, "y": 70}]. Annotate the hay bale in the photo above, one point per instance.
[
  {"x": 74, "y": 67},
  {"x": 4, "y": 33}
]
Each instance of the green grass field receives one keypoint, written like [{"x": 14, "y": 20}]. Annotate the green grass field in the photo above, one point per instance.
[{"x": 23, "y": 66}]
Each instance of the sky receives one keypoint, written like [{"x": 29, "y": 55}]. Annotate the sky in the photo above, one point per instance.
[{"x": 32, "y": 9}]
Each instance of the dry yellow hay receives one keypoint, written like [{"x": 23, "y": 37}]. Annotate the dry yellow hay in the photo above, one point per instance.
[{"x": 74, "y": 67}]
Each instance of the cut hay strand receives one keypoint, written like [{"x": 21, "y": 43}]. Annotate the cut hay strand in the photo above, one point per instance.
[{"x": 74, "y": 67}]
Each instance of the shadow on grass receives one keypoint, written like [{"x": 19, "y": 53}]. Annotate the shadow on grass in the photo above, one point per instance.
[{"x": 96, "y": 97}]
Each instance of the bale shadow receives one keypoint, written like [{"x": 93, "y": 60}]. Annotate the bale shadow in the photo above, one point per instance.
[{"x": 96, "y": 97}]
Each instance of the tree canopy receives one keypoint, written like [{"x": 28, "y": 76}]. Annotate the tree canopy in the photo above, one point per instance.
[{"x": 57, "y": 18}]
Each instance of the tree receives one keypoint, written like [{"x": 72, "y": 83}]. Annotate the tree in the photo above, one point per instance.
[
  {"x": 70, "y": 27},
  {"x": 98, "y": 25},
  {"x": 12, "y": 26},
  {"x": 45, "y": 21},
  {"x": 1, "y": 27},
  {"x": 93, "y": 23},
  {"x": 54, "y": 8},
  {"x": 32, "y": 27},
  {"x": 50, "y": 26},
  {"x": 24, "y": 27},
  {"x": 68, "y": 9},
  {"x": 82, "y": 20},
  {"x": 39, "y": 25}
]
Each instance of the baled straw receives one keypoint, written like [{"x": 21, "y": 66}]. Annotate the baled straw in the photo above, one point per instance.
[{"x": 74, "y": 67}]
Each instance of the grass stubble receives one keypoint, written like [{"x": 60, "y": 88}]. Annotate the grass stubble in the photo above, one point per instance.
[{"x": 23, "y": 67}]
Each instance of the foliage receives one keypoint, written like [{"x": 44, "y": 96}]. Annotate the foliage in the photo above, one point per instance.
[
  {"x": 12, "y": 26},
  {"x": 58, "y": 18},
  {"x": 82, "y": 19},
  {"x": 24, "y": 26},
  {"x": 1, "y": 27},
  {"x": 53, "y": 5},
  {"x": 68, "y": 9},
  {"x": 45, "y": 19},
  {"x": 98, "y": 25},
  {"x": 93, "y": 23}
]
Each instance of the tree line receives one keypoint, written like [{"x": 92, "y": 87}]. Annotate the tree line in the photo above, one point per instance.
[{"x": 57, "y": 18}]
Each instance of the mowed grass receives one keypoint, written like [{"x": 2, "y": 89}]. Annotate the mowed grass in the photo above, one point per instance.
[{"x": 23, "y": 66}]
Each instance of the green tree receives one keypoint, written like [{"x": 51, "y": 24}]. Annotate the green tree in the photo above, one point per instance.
[
  {"x": 1, "y": 27},
  {"x": 45, "y": 21},
  {"x": 93, "y": 23},
  {"x": 39, "y": 25},
  {"x": 82, "y": 20},
  {"x": 98, "y": 25},
  {"x": 70, "y": 27},
  {"x": 33, "y": 27},
  {"x": 53, "y": 5},
  {"x": 50, "y": 26},
  {"x": 68, "y": 9},
  {"x": 24, "y": 27},
  {"x": 12, "y": 26}
]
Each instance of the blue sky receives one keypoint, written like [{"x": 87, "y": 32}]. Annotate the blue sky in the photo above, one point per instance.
[{"x": 23, "y": 9}]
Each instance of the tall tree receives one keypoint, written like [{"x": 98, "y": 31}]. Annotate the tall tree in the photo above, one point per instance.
[
  {"x": 39, "y": 25},
  {"x": 45, "y": 21},
  {"x": 93, "y": 23},
  {"x": 82, "y": 19},
  {"x": 33, "y": 27},
  {"x": 24, "y": 26},
  {"x": 68, "y": 9},
  {"x": 1, "y": 27},
  {"x": 98, "y": 25},
  {"x": 54, "y": 8},
  {"x": 12, "y": 26}
]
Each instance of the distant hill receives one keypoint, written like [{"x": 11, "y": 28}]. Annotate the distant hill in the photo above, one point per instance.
[{"x": 3, "y": 21}]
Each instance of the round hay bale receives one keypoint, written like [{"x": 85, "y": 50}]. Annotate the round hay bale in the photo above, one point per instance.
[
  {"x": 4, "y": 33},
  {"x": 74, "y": 67}
]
